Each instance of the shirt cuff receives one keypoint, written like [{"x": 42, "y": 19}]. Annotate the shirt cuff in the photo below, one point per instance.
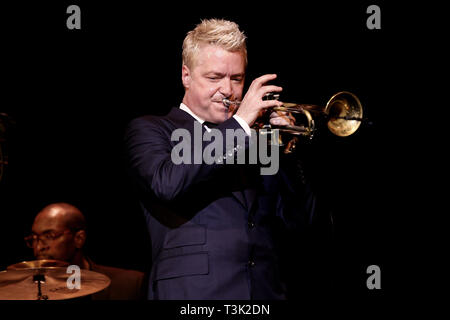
[{"x": 243, "y": 124}]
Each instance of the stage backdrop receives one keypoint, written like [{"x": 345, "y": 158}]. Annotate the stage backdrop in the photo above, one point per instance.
[{"x": 72, "y": 92}]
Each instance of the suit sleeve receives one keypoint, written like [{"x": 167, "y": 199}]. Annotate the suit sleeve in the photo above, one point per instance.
[
  {"x": 300, "y": 204},
  {"x": 296, "y": 200},
  {"x": 149, "y": 150}
]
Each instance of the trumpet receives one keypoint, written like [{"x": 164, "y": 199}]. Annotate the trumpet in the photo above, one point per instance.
[{"x": 343, "y": 114}]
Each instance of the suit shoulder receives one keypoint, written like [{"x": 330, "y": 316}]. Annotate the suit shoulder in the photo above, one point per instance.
[
  {"x": 147, "y": 121},
  {"x": 176, "y": 118},
  {"x": 147, "y": 126}
]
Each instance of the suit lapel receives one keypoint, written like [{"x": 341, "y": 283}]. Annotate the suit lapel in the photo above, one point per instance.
[
  {"x": 250, "y": 196},
  {"x": 245, "y": 196},
  {"x": 239, "y": 195}
]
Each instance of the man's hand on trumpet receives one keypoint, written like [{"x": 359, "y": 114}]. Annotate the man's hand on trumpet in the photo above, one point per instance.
[
  {"x": 253, "y": 106},
  {"x": 282, "y": 118}
]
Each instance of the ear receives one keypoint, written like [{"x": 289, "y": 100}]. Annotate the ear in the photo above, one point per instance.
[
  {"x": 186, "y": 76},
  {"x": 80, "y": 238}
]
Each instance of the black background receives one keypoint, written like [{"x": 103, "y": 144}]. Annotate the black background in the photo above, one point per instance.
[{"x": 72, "y": 92}]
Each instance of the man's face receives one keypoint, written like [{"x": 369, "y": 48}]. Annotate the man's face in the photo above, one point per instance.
[
  {"x": 62, "y": 247},
  {"x": 216, "y": 74}
]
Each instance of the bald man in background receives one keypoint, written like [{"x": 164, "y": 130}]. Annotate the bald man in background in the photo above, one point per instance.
[{"x": 59, "y": 233}]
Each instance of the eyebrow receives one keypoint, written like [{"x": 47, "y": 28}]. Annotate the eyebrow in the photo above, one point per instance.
[
  {"x": 223, "y": 74},
  {"x": 238, "y": 75},
  {"x": 43, "y": 232}
]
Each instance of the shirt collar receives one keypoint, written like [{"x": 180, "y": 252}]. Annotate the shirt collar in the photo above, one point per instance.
[{"x": 186, "y": 108}]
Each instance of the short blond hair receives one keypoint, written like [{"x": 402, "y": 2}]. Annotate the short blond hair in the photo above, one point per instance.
[{"x": 219, "y": 32}]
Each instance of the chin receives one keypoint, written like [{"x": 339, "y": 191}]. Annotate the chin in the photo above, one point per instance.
[
  {"x": 222, "y": 118},
  {"x": 219, "y": 107},
  {"x": 223, "y": 114}
]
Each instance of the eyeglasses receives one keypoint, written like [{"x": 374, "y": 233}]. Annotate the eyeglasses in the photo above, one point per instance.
[{"x": 45, "y": 237}]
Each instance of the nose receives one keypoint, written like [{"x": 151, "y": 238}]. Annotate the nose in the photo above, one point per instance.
[
  {"x": 226, "y": 88},
  {"x": 40, "y": 247}
]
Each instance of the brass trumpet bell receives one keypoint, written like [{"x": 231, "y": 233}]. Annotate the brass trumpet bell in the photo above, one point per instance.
[{"x": 343, "y": 113}]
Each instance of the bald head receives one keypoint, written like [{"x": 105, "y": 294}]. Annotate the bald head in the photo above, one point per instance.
[
  {"x": 63, "y": 215},
  {"x": 66, "y": 226}
]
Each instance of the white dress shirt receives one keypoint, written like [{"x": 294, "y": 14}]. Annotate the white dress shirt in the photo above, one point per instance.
[{"x": 241, "y": 121}]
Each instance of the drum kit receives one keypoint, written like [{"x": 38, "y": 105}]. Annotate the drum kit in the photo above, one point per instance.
[
  {"x": 42, "y": 279},
  {"x": 47, "y": 280}
]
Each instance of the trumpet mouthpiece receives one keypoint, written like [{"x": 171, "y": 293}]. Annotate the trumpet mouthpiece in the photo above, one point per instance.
[{"x": 227, "y": 102}]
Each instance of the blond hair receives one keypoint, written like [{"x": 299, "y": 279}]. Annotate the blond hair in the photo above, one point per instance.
[{"x": 219, "y": 32}]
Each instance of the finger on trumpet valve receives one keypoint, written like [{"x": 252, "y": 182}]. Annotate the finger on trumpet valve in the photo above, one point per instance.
[{"x": 271, "y": 96}]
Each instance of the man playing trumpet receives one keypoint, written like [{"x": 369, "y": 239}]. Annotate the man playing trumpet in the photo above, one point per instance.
[{"x": 213, "y": 226}]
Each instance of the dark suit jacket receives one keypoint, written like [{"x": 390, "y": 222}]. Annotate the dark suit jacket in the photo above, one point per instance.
[
  {"x": 212, "y": 227},
  {"x": 125, "y": 284}
]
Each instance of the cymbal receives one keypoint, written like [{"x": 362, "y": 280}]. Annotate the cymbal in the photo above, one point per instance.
[
  {"x": 24, "y": 284},
  {"x": 38, "y": 264}
]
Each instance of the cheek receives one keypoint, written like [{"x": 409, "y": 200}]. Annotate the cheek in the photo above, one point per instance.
[
  {"x": 211, "y": 90},
  {"x": 205, "y": 90},
  {"x": 237, "y": 90},
  {"x": 208, "y": 88},
  {"x": 58, "y": 247},
  {"x": 64, "y": 249}
]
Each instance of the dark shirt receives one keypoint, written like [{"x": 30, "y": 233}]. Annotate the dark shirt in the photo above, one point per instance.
[{"x": 125, "y": 284}]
